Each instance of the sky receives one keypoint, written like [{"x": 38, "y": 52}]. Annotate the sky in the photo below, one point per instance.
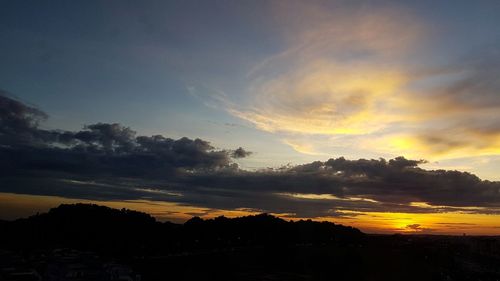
[{"x": 378, "y": 114}]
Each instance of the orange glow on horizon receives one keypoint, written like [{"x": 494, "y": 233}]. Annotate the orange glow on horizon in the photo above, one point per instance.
[{"x": 453, "y": 223}]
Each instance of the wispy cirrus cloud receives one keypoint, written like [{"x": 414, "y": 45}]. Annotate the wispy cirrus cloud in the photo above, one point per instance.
[
  {"x": 337, "y": 75},
  {"x": 363, "y": 72}
]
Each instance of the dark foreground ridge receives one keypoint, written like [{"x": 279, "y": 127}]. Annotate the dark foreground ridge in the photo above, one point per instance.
[
  {"x": 126, "y": 232},
  {"x": 91, "y": 242}
]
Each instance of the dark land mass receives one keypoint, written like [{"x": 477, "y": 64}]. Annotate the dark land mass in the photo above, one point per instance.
[{"x": 90, "y": 242}]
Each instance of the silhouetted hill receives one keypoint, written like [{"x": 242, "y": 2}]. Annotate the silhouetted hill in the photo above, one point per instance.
[
  {"x": 103, "y": 229},
  {"x": 87, "y": 241}
]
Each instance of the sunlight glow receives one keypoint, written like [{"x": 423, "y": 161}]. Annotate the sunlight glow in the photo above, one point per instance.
[{"x": 454, "y": 223}]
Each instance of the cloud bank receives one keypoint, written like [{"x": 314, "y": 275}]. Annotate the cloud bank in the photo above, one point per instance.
[{"x": 110, "y": 162}]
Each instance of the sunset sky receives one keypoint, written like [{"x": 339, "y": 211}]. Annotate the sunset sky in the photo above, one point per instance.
[{"x": 384, "y": 115}]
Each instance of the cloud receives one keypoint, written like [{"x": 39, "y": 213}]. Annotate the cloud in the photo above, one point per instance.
[
  {"x": 456, "y": 117},
  {"x": 240, "y": 153},
  {"x": 109, "y": 162},
  {"x": 414, "y": 227},
  {"x": 473, "y": 101},
  {"x": 107, "y": 149},
  {"x": 19, "y": 121},
  {"x": 363, "y": 72},
  {"x": 336, "y": 75},
  {"x": 302, "y": 147}
]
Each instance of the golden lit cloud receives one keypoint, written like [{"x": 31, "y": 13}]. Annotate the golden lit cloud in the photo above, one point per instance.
[
  {"x": 302, "y": 147},
  {"x": 358, "y": 73},
  {"x": 326, "y": 99},
  {"x": 455, "y": 143},
  {"x": 337, "y": 76},
  {"x": 313, "y": 196}
]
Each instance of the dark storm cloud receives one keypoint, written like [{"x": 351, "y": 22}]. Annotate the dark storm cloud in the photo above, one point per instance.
[
  {"x": 358, "y": 185},
  {"x": 19, "y": 122},
  {"x": 109, "y": 162},
  {"x": 99, "y": 148}
]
